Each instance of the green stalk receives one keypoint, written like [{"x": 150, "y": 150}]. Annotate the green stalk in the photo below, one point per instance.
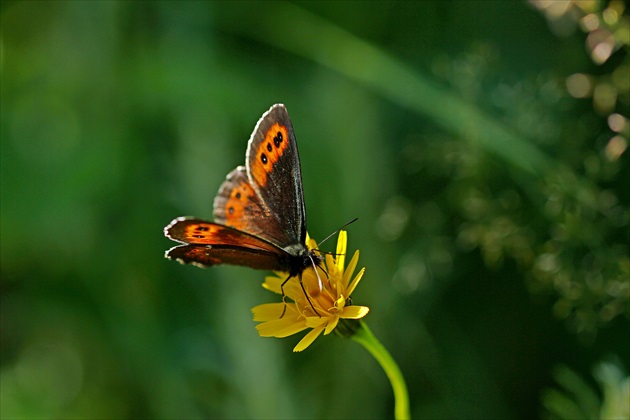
[{"x": 363, "y": 335}]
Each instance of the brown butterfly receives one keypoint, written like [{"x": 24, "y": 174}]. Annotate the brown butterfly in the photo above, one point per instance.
[{"x": 259, "y": 214}]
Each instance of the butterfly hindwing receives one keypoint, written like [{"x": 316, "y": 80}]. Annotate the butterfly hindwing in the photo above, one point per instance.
[
  {"x": 209, "y": 255},
  {"x": 237, "y": 205}
]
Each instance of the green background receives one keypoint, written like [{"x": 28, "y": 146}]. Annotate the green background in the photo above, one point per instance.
[{"x": 493, "y": 227}]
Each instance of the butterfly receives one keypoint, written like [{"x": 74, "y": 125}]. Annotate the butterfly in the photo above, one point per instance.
[{"x": 259, "y": 213}]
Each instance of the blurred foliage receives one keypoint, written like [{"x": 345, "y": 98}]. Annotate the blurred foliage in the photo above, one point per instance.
[
  {"x": 578, "y": 399},
  {"x": 584, "y": 257},
  {"x": 483, "y": 146}
]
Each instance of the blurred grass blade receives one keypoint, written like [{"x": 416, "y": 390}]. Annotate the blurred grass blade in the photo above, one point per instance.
[{"x": 317, "y": 39}]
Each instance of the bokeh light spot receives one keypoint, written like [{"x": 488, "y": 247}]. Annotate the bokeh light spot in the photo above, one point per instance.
[
  {"x": 579, "y": 85},
  {"x": 394, "y": 219},
  {"x": 617, "y": 122},
  {"x": 610, "y": 16},
  {"x": 589, "y": 22},
  {"x": 601, "y": 44},
  {"x": 604, "y": 98},
  {"x": 412, "y": 275},
  {"x": 615, "y": 148},
  {"x": 621, "y": 78}
]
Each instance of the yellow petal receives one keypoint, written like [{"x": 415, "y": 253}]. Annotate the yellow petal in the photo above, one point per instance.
[
  {"x": 342, "y": 243},
  {"x": 315, "y": 321},
  {"x": 268, "y": 311},
  {"x": 291, "y": 288},
  {"x": 272, "y": 283},
  {"x": 280, "y": 328},
  {"x": 331, "y": 325},
  {"x": 341, "y": 302},
  {"x": 330, "y": 265},
  {"x": 355, "y": 282},
  {"x": 351, "y": 267},
  {"x": 310, "y": 242},
  {"x": 308, "y": 339},
  {"x": 313, "y": 282},
  {"x": 354, "y": 312}
]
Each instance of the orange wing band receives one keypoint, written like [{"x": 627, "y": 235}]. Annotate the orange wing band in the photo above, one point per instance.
[{"x": 271, "y": 148}]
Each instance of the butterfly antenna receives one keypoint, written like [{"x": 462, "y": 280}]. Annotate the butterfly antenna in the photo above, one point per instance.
[{"x": 337, "y": 231}]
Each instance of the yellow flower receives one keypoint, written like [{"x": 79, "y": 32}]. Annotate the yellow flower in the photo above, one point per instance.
[{"x": 329, "y": 290}]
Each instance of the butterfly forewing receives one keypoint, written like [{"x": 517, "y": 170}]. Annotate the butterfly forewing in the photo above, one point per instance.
[
  {"x": 273, "y": 166},
  {"x": 208, "y": 244},
  {"x": 201, "y": 232}
]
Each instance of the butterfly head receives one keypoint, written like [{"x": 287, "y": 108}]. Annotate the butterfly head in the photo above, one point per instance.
[{"x": 302, "y": 258}]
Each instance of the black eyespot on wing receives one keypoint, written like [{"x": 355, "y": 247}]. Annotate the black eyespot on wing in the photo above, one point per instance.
[{"x": 277, "y": 139}]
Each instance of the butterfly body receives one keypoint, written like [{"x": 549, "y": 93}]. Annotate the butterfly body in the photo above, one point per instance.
[{"x": 259, "y": 212}]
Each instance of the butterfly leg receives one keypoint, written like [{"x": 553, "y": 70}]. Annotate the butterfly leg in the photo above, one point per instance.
[
  {"x": 284, "y": 310},
  {"x": 305, "y": 294},
  {"x": 308, "y": 298}
]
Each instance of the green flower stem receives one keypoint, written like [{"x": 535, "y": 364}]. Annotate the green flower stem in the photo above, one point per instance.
[{"x": 364, "y": 336}]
